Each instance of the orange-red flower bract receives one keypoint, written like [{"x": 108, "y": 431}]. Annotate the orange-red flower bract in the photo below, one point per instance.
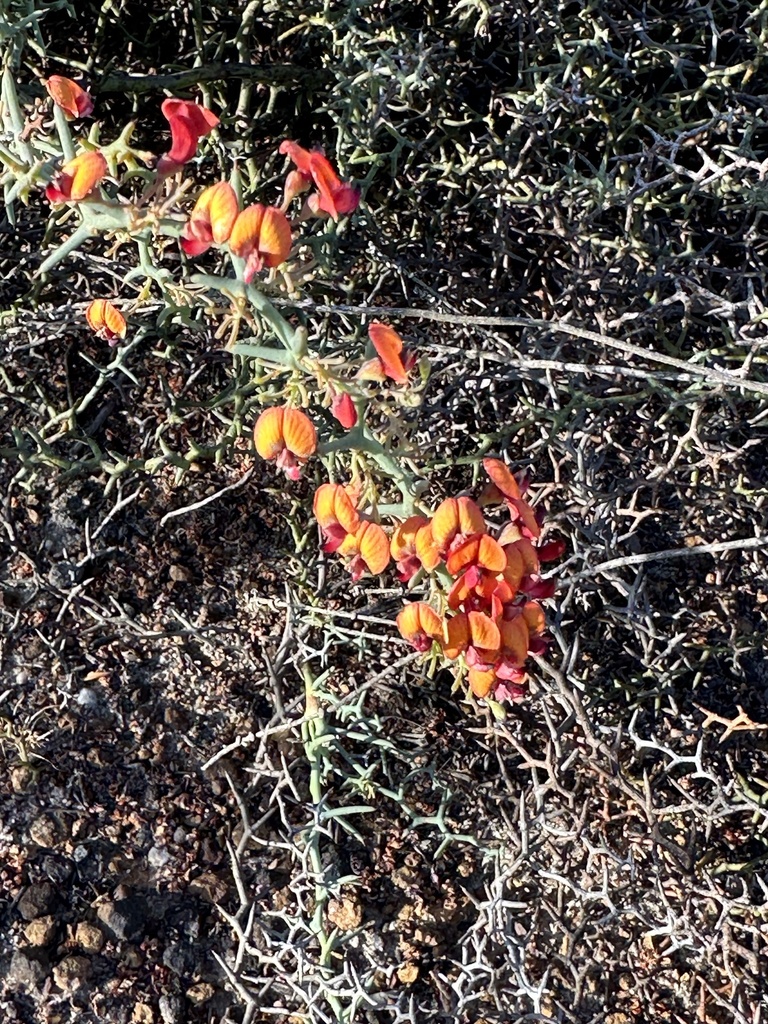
[
  {"x": 420, "y": 625},
  {"x": 72, "y": 98},
  {"x": 334, "y": 196},
  {"x": 212, "y": 219},
  {"x": 389, "y": 348},
  {"x": 286, "y": 435},
  {"x": 343, "y": 408},
  {"x": 262, "y": 237},
  {"x": 189, "y": 122},
  {"x": 106, "y": 320},
  {"x": 77, "y": 178}
]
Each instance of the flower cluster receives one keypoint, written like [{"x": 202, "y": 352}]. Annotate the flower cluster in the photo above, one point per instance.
[
  {"x": 260, "y": 235},
  {"x": 486, "y": 583},
  {"x": 492, "y": 619},
  {"x": 482, "y": 583}
]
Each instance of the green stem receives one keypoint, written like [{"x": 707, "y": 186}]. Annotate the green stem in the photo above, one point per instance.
[
  {"x": 15, "y": 115},
  {"x": 315, "y": 735},
  {"x": 238, "y": 289},
  {"x": 358, "y": 439},
  {"x": 75, "y": 240},
  {"x": 65, "y": 135}
]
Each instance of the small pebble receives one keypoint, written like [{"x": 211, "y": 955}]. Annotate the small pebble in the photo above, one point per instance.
[
  {"x": 71, "y": 971},
  {"x": 89, "y": 937},
  {"x": 41, "y": 931},
  {"x": 158, "y": 856},
  {"x": 45, "y": 831},
  {"x": 170, "y": 1009},
  {"x": 35, "y": 900},
  {"x": 200, "y": 993}
]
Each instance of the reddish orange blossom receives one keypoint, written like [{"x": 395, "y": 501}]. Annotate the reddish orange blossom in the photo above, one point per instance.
[
  {"x": 343, "y": 409},
  {"x": 335, "y": 514},
  {"x": 287, "y": 436},
  {"x": 366, "y": 548},
  {"x": 211, "y": 220},
  {"x": 392, "y": 359},
  {"x": 72, "y": 98},
  {"x": 189, "y": 122},
  {"x": 77, "y": 178},
  {"x": 454, "y": 521},
  {"x": 106, "y": 320},
  {"x": 334, "y": 196},
  {"x": 420, "y": 625},
  {"x": 262, "y": 237},
  {"x": 413, "y": 548}
]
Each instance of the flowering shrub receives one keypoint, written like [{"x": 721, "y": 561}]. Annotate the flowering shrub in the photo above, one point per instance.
[{"x": 479, "y": 580}]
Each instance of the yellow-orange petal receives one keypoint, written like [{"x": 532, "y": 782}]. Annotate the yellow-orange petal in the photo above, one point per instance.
[
  {"x": 403, "y": 540},
  {"x": 484, "y": 631},
  {"x": 102, "y": 316},
  {"x": 244, "y": 236},
  {"x": 274, "y": 237},
  {"x": 72, "y": 98},
  {"x": 529, "y": 555},
  {"x": 389, "y": 346},
  {"x": 419, "y": 619},
  {"x": 456, "y": 516},
  {"x": 534, "y": 617},
  {"x": 333, "y": 505},
  {"x": 457, "y": 636},
  {"x": 268, "y": 432},
  {"x": 500, "y": 474},
  {"x": 299, "y": 433},
  {"x": 515, "y": 567},
  {"x": 481, "y": 681},
  {"x": 481, "y": 550},
  {"x": 217, "y": 205},
  {"x": 514, "y": 639},
  {"x": 85, "y": 172},
  {"x": 426, "y": 549},
  {"x": 510, "y": 534},
  {"x": 373, "y": 545}
]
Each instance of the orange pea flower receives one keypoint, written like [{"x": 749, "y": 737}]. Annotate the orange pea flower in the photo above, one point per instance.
[
  {"x": 366, "y": 548},
  {"x": 412, "y": 547},
  {"x": 481, "y": 550},
  {"x": 106, "y": 320},
  {"x": 189, "y": 122},
  {"x": 482, "y": 680},
  {"x": 335, "y": 514},
  {"x": 72, "y": 98},
  {"x": 420, "y": 625},
  {"x": 455, "y": 520},
  {"x": 477, "y": 590},
  {"x": 475, "y": 634},
  {"x": 334, "y": 196},
  {"x": 286, "y": 435},
  {"x": 262, "y": 237},
  {"x": 78, "y": 178},
  {"x": 392, "y": 360},
  {"x": 211, "y": 220}
]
